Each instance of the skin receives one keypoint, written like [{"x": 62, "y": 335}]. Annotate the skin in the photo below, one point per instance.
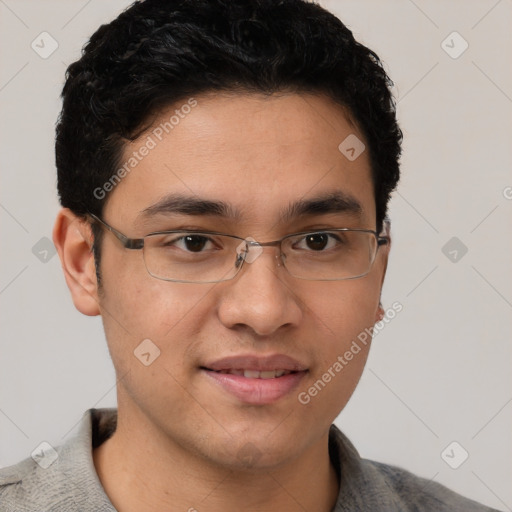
[{"x": 178, "y": 441}]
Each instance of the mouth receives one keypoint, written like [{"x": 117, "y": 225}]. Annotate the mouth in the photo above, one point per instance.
[
  {"x": 254, "y": 374},
  {"x": 256, "y": 380}
]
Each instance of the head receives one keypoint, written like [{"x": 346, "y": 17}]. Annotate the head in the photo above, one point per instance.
[{"x": 242, "y": 106}]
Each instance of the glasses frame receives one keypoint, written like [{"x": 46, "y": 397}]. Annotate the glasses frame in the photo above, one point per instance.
[{"x": 139, "y": 243}]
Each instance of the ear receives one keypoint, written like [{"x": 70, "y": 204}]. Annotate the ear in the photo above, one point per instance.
[{"x": 73, "y": 239}]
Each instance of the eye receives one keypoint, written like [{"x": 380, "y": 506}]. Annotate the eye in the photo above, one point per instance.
[
  {"x": 190, "y": 242},
  {"x": 318, "y": 241}
]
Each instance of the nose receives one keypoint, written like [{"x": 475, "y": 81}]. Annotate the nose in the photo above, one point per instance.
[{"x": 261, "y": 297}]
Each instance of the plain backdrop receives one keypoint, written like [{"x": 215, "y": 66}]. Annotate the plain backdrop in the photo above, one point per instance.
[{"x": 438, "y": 373}]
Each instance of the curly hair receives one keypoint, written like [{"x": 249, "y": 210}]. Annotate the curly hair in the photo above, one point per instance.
[{"x": 158, "y": 52}]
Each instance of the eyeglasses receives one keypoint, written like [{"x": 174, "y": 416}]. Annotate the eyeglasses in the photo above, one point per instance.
[{"x": 210, "y": 257}]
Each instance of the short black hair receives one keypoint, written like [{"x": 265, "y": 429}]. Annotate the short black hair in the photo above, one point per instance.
[{"x": 159, "y": 52}]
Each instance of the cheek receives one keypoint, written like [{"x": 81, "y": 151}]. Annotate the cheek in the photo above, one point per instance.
[
  {"x": 346, "y": 323},
  {"x": 343, "y": 316},
  {"x": 137, "y": 307},
  {"x": 142, "y": 305},
  {"x": 344, "y": 309},
  {"x": 149, "y": 326}
]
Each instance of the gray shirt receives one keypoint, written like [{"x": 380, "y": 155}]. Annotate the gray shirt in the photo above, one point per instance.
[{"x": 65, "y": 480}]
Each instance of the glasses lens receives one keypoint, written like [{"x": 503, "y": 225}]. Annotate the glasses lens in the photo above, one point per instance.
[
  {"x": 191, "y": 257},
  {"x": 330, "y": 255}
]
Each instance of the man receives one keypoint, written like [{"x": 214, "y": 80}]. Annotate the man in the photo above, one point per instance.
[{"x": 224, "y": 169}]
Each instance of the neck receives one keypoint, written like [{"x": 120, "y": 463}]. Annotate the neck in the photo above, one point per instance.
[{"x": 141, "y": 468}]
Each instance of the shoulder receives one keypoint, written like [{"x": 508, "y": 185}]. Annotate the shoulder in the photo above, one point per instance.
[
  {"x": 61, "y": 479},
  {"x": 10, "y": 480},
  {"x": 419, "y": 494},
  {"x": 26, "y": 486},
  {"x": 369, "y": 485}
]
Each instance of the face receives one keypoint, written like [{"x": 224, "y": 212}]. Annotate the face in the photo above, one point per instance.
[{"x": 258, "y": 156}]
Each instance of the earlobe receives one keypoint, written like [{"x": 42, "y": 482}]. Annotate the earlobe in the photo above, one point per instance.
[{"x": 72, "y": 237}]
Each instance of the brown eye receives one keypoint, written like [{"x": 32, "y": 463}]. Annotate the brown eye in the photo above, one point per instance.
[
  {"x": 187, "y": 242},
  {"x": 317, "y": 241},
  {"x": 195, "y": 243}
]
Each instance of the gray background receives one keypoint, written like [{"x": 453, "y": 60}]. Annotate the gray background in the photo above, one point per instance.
[{"x": 438, "y": 373}]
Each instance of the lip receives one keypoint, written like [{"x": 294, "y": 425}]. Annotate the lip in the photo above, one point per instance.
[
  {"x": 256, "y": 363},
  {"x": 255, "y": 391}
]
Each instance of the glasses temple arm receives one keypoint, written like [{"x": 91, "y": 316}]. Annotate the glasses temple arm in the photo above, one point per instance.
[{"x": 128, "y": 243}]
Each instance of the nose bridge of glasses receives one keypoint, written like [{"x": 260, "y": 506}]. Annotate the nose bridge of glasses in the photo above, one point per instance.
[{"x": 250, "y": 249}]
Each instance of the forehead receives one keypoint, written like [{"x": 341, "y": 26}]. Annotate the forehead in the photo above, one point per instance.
[{"x": 258, "y": 155}]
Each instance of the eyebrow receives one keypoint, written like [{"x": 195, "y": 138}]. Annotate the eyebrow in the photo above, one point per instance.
[
  {"x": 332, "y": 202},
  {"x": 189, "y": 205}
]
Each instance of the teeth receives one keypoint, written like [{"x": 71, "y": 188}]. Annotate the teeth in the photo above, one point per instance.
[
  {"x": 255, "y": 374},
  {"x": 251, "y": 374},
  {"x": 234, "y": 372}
]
